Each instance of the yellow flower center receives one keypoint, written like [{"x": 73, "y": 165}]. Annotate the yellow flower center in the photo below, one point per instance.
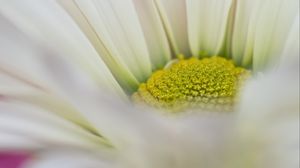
[{"x": 209, "y": 84}]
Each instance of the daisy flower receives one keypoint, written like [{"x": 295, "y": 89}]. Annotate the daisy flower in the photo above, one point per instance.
[{"x": 150, "y": 83}]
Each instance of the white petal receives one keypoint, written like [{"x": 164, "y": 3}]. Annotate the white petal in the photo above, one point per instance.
[
  {"x": 291, "y": 53},
  {"x": 56, "y": 101},
  {"x": 269, "y": 119},
  {"x": 46, "y": 22},
  {"x": 102, "y": 109},
  {"x": 200, "y": 139},
  {"x": 244, "y": 30},
  {"x": 52, "y": 104},
  {"x": 207, "y": 23},
  {"x": 11, "y": 141},
  {"x": 154, "y": 33},
  {"x": 174, "y": 17},
  {"x": 57, "y": 106},
  {"x": 70, "y": 159},
  {"x": 32, "y": 128},
  {"x": 272, "y": 96},
  {"x": 126, "y": 128},
  {"x": 10, "y": 82},
  {"x": 274, "y": 23},
  {"x": 261, "y": 30},
  {"x": 19, "y": 64},
  {"x": 120, "y": 39}
]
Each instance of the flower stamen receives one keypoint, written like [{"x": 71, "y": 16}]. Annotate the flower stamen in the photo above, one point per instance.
[{"x": 209, "y": 84}]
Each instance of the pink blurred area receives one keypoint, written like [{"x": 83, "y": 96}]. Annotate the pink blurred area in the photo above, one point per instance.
[{"x": 13, "y": 159}]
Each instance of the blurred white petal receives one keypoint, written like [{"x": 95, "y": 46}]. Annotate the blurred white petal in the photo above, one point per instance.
[
  {"x": 120, "y": 40},
  {"x": 19, "y": 65},
  {"x": 70, "y": 159},
  {"x": 40, "y": 128},
  {"x": 269, "y": 119},
  {"x": 207, "y": 23},
  {"x": 46, "y": 22},
  {"x": 18, "y": 142},
  {"x": 95, "y": 105}
]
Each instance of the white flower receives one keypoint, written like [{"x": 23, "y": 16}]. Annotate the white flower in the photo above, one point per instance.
[{"x": 67, "y": 68}]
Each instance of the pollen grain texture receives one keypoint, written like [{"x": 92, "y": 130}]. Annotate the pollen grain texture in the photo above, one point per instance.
[{"x": 209, "y": 84}]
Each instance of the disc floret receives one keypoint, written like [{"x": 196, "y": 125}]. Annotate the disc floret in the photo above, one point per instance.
[{"x": 210, "y": 84}]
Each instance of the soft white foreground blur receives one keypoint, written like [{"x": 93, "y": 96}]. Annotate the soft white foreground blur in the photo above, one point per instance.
[{"x": 263, "y": 133}]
